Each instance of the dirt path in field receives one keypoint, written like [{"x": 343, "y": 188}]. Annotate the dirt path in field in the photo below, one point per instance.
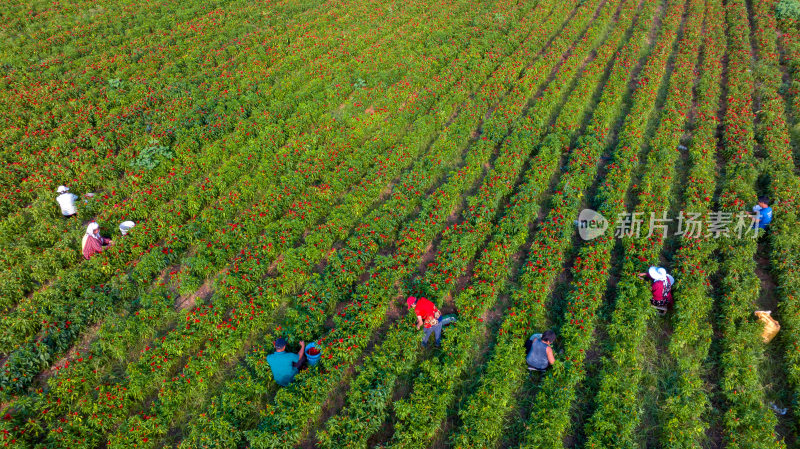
[{"x": 777, "y": 390}]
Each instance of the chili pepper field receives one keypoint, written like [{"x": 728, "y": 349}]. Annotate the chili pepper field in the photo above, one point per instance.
[{"x": 298, "y": 168}]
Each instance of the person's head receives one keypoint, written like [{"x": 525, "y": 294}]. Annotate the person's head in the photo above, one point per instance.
[
  {"x": 62, "y": 189},
  {"x": 549, "y": 337},
  {"x": 93, "y": 229},
  {"x": 411, "y": 302},
  {"x": 763, "y": 201},
  {"x": 280, "y": 344}
]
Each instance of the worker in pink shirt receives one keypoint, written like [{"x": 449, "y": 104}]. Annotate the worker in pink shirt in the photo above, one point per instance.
[
  {"x": 93, "y": 242},
  {"x": 661, "y": 288}
]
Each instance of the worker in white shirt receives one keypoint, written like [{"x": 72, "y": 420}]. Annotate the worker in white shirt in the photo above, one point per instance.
[{"x": 66, "y": 200}]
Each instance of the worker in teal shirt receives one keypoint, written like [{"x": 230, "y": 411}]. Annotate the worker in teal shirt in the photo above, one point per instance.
[
  {"x": 762, "y": 212},
  {"x": 284, "y": 365}
]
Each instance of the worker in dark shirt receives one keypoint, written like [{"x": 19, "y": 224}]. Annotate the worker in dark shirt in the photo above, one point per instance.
[{"x": 539, "y": 351}]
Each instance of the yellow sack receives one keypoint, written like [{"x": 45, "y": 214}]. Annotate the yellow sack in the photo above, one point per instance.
[{"x": 771, "y": 327}]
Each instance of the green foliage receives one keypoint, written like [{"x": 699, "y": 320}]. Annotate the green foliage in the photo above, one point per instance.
[
  {"x": 787, "y": 10},
  {"x": 151, "y": 155}
]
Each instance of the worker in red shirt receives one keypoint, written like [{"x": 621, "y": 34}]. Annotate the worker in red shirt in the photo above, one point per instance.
[
  {"x": 661, "y": 288},
  {"x": 429, "y": 317}
]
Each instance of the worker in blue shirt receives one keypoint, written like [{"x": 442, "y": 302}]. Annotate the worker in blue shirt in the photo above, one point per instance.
[
  {"x": 285, "y": 365},
  {"x": 762, "y": 212}
]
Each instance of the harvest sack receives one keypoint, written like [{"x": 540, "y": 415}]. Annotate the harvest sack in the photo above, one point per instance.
[{"x": 771, "y": 327}]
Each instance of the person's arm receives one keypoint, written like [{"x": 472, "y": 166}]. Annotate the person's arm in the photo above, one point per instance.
[
  {"x": 301, "y": 357},
  {"x": 550, "y": 357},
  {"x": 419, "y": 321}
]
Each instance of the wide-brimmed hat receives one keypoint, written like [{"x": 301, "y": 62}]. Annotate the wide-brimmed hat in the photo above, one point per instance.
[
  {"x": 657, "y": 273},
  {"x": 62, "y": 189},
  {"x": 126, "y": 226}
]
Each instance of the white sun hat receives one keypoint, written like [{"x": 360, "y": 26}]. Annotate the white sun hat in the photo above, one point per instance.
[
  {"x": 62, "y": 189},
  {"x": 657, "y": 273},
  {"x": 126, "y": 226}
]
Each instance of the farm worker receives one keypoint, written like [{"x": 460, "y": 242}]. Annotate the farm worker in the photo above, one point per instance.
[
  {"x": 428, "y": 316},
  {"x": 285, "y": 365},
  {"x": 539, "y": 351},
  {"x": 66, "y": 200},
  {"x": 661, "y": 288},
  {"x": 93, "y": 242},
  {"x": 762, "y": 212}
]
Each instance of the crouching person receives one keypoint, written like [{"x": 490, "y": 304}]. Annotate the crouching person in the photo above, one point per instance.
[
  {"x": 539, "y": 351},
  {"x": 429, "y": 317},
  {"x": 93, "y": 242},
  {"x": 661, "y": 288},
  {"x": 285, "y": 365}
]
